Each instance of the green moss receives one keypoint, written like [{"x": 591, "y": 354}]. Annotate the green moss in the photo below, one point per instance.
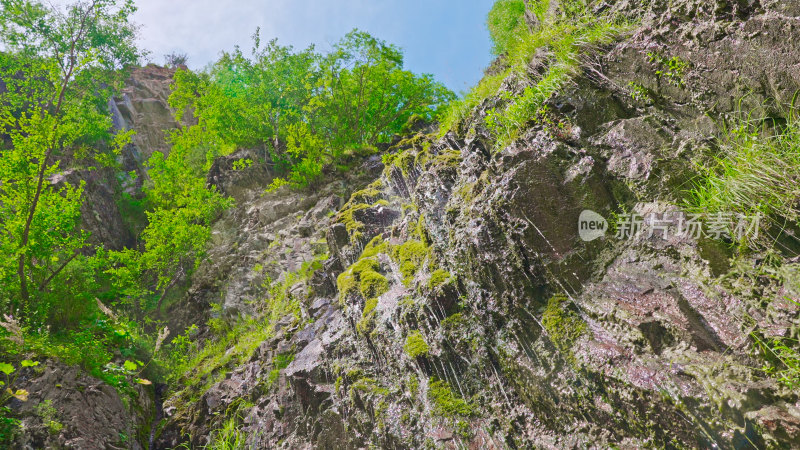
[
  {"x": 367, "y": 322},
  {"x": 370, "y": 386},
  {"x": 366, "y": 325},
  {"x": 438, "y": 278},
  {"x": 365, "y": 265},
  {"x": 464, "y": 429},
  {"x": 353, "y": 375},
  {"x": 410, "y": 256},
  {"x": 466, "y": 192},
  {"x": 409, "y": 208},
  {"x": 562, "y": 323},
  {"x": 415, "y": 345},
  {"x": 450, "y": 158},
  {"x": 423, "y": 155},
  {"x": 337, "y": 386},
  {"x": 405, "y": 161},
  {"x": 367, "y": 195},
  {"x": 363, "y": 275},
  {"x": 345, "y": 217},
  {"x": 376, "y": 246},
  {"x": 372, "y": 284},
  {"x": 446, "y": 403},
  {"x": 346, "y": 283},
  {"x": 422, "y": 231},
  {"x": 369, "y": 307},
  {"x": 454, "y": 322},
  {"x": 412, "y": 142}
]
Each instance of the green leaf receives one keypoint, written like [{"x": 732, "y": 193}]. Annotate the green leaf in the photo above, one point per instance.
[
  {"x": 29, "y": 363},
  {"x": 130, "y": 366},
  {"x": 6, "y": 368},
  {"x": 21, "y": 394}
]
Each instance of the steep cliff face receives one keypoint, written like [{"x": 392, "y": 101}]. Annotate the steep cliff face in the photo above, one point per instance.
[
  {"x": 458, "y": 306},
  {"x": 143, "y": 107}
]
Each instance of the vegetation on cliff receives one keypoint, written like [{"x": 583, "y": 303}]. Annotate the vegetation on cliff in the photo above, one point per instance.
[
  {"x": 68, "y": 298},
  {"x": 304, "y": 110},
  {"x": 446, "y": 302}
]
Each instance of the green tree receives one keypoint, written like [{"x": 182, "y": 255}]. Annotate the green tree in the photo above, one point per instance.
[
  {"x": 59, "y": 68},
  {"x": 304, "y": 109},
  {"x": 177, "y": 233},
  {"x": 243, "y": 102},
  {"x": 366, "y": 96}
]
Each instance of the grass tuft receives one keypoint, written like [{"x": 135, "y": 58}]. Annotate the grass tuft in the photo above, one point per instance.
[
  {"x": 560, "y": 33},
  {"x": 757, "y": 171}
]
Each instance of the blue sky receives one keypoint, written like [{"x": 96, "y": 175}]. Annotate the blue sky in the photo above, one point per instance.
[{"x": 444, "y": 37}]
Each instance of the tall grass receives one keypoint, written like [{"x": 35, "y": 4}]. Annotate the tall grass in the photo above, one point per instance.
[
  {"x": 562, "y": 32},
  {"x": 757, "y": 171},
  {"x": 459, "y": 110},
  {"x": 235, "y": 344},
  {"x": 506, "y": 22},
  {"x": 229, "y": 436},
  {"x": 564, "y": 37}
]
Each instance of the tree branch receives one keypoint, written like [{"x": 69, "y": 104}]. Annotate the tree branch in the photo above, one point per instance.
[{"x": 57, "y": 271}]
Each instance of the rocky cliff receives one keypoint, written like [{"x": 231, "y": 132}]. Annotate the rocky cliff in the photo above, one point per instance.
[
  {"x": 442, "y": 296},
  {"x": 456, "y": 304}
]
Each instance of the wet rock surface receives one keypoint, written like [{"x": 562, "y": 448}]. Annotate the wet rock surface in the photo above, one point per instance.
[
  {"x": 458, "y": 306},
  {"x": 69, "y": 409}
]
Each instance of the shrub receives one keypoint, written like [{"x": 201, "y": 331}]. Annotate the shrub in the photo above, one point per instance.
[{"x": 175, "y": 59}]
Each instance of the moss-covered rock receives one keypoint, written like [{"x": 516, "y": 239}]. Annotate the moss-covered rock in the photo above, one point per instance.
[
  {"x": 410, "y": 256},
  {"x": 563, "y": 324},
  {"x": 375, "y": 247},
  {"x": 350, "y": 280},
  {"x": 415, "y": 345},
  {"x": 438, "y": 278},
  {"x": 447, "y": 403},
  {"x": 353, "y": 225},
  {"x": 372, "y": 284}
]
